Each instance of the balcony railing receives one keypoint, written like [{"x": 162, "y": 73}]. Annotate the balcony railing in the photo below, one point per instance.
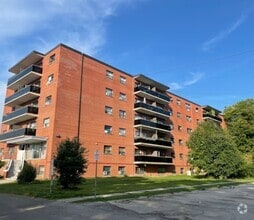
[
  {"x": 156, "y": 142},
  {"x": 152, "y": 108},
  {"x": 23, "y": 95},
  {"x": 26, "y": 76},
  {"x": 208, "y": 115},
  {"x": 22, "y": 114},
  {"x": 153, "y": 93},
  {"x": 153, "y": 159},
  {"x": 152, "y": 124},
  {"x": 17, "y": 133}
]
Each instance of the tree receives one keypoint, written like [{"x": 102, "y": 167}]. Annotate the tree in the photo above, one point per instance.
[
  {"x": 70, "y": 163},
  {"x": 214, "y": 152},
  {"x": 27, "y": 174},
  {"x": 239, "y": 119}
]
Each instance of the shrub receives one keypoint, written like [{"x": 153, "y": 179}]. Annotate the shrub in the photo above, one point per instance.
[{"x": 27, "y": 174}]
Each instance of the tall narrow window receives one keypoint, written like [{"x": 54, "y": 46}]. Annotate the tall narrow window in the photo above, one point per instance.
[
  {"x": 50, "y": 79},
  {"x": 52, "y": 58},
  {"x": 109, "y": 74},
  {"x": 46, "y": 122},
  {"x": 48, "y": 100},
  {"x": 109, "y": 92}
]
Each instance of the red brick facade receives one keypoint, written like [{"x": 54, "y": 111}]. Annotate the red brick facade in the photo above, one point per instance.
[{"x": 137, "y": 126}]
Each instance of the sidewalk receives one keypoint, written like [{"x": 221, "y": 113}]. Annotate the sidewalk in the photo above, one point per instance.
[
  {"x": 8, "y": 180},
  {"x": 76, "y": 199}
]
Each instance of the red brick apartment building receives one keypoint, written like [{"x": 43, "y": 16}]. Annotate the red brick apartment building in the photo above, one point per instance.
[{"x": 135, "y": 123}]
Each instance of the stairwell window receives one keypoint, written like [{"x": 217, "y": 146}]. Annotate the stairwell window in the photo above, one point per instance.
[
  {"x": 109, "y": 74},
  {"x": 50, "y": 79},
  {"x": 109, "y": 92},
  {"x": 46, "y": 122},
  {"x": 48, "y": 100}
]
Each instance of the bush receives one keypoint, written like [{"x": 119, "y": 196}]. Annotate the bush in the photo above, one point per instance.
[
  {"x": 27, "y": 174},
  {"x": 2, "y": 163}
]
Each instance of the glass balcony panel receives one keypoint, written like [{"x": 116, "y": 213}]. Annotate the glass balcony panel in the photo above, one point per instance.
[{"x": 17, "y": 133}]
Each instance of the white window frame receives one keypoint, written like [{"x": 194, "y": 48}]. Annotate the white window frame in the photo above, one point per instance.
[
  {"x": 109, "y": 74},
  {"x": 122, "y": 96},
  {"x": 122, "y": 80},
  {"x": 109, "y": 92},
  {"x": 107, "y": 129},
  {"x": 122, "y": 113},
  {"x": 122, "y": 132},
  {"x": 107, "y": 149},
  {"x": 108, "y": 110},
  {"x": 46, "y": 122}
]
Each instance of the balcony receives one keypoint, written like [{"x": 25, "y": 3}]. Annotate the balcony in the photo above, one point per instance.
[
  {"x": 25, "y": 77},
  {"x": 17, "y": 133},
  {"x": 208, "y": 115},
  {"x": 149, "y": 159},
  {"x": 150, "y": 94},
  {"x": 20, "y": 115},
  {"x": 156, "y": 143},
  {"x": 23, "y": 95},
  {"x": 150, "y": 124},
  {"x": 151, "y": 110}
]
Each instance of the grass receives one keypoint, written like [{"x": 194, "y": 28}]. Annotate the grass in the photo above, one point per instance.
[{"x": 111, "y": 185}]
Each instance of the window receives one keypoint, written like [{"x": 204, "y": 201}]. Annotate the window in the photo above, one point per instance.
[
  {"x": 36, "y": 151},
  {"x": 52, "y": 58},
  {"x": 188, "y": 118},
  {"x": 108, "y": 110},
  {"x": 140, "y": 170},
  {"x": 181, "y": 170},
  {"x": 180, "y": 142},
  {"x": 188, "y": 107},
  {"x": 109, "y": 74},
  {"x": 198, "y": 121},
  {"x": 121, "y": 170},
  {"x": 11, "y": 150},
  {"x": 181, "y": 156},
  {"x": 122, "y": 96},
  {"x": 122, "y": 131},
  {"x": 109, "y": 92},
  {"x": 178, "y": 102},
  {"x": 31, "y": 125},
  {"x": 48, "y": 100},
  {"x": 178, "y": 114},
  {"x": 122, "y": 114},
  {"x": 50, "y": 79},
  {"x": 179, "y": 128},
  {"x": 106, "y": 170},
  {"x": 107, "y": 149},
  {"x": 196, "y": 109},
  {"x": 189, "y": 130},
  {"x": 1, "y": 152},
  {"x": 46, "y": 122},
  {"x": 41, "y": 170},
  {"x": 121, "y": 151},
  {"x": 122, "y": 80},
  {"x": 108, "y": 129}
]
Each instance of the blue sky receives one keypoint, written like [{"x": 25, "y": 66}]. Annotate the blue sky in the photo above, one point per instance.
[{"x": 202, "y": 49}]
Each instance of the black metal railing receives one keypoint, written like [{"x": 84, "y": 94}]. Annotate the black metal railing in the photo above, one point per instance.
[
  {"x": 153, "y": 93},
  {"x": 152, "y": 124},
  {"x": 164, "y": 142},
  {"x": 156, "y": 159},
  {"x": 24, "y": 72},
  {"x": 19, "y": 112},
  {"x": 208, "y": 115},
  {"x": 23, "y": 91},
  {"x": 17, "y": 133},
  {"x": 152, "y": 108}
]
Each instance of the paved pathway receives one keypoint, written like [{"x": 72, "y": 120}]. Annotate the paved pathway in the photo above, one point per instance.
[{"x": 222, "y": 203}]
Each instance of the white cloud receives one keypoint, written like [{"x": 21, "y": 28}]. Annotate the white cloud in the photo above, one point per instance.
[
  {"x": 78, "y": 23},
  {"x": 195, "y": 77},
  {"x": 223, "y": 34}
]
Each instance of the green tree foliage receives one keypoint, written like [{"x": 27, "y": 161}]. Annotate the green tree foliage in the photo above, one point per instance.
[
  {"x": 239, "y": 119},
  {"x": 70, "y": 163},
  {"x": 27, "y": 174},
  {"x": 214, "y": 152}
]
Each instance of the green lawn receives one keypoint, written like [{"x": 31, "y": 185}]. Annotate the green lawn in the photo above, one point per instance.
[{"x": 107, "y": 186}]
